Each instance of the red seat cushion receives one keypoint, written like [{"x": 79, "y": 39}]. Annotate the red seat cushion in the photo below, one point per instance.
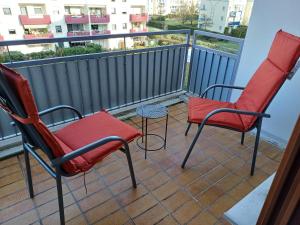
[
  {"x": 198, "y": 108},
  {"x": 93, "y": 128}
]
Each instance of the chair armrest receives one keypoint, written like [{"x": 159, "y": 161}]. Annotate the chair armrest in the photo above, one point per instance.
[
  {"x": 55, "y": 108},
  {"x": 237, "y": 111},
  {"x": 59, "y": 107},
  {"x": 221, "y": 85},
  {"x": 87, "y": 148}
]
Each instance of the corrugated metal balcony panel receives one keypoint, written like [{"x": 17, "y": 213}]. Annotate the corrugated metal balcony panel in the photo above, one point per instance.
[
  {"x": 36, "y": 20},
  {"x": 100, "y": 19},
  {"x": 139, "y": 17},
  {"x": 81, "y": 19},
  {"x": 34, "y": 36}
]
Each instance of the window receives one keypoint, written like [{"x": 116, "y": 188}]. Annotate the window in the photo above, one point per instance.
[
  {"x": 222, "y": 18},
  {"x": 124, "y": 12},
  {"x": 123, "y": 0},
  {"x": 58, "y": 29},
  {"x": 6, "y": 11},
  {"x": 220, "y": 27},
  {"x": 94, "y": 26},
  {"x": 114, "y": 11},
  {"x": 12, "y": 31},
  {"x": 124, "y": 25},
  {"x": 223, "y": 8},
  {"x": 113, "y": 0},
  {"x": 114, "y": 26},
  {"x": 38, "y": 11},
  {"x": 23, "y": 10}
]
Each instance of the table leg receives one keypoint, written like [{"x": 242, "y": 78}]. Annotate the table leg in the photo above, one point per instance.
[
  {"x": 143, "y": 129},
  {"x": 146, "y": 139},
  {"x": 166, "y": 132}
]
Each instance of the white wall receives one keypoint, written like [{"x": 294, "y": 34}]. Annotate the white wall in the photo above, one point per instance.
[{"x": 268, "y": 16}]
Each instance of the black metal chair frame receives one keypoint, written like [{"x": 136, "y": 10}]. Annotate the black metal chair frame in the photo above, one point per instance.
[
  {"x": 32, "y": 140},
  {"x": 257, "y": 124}
]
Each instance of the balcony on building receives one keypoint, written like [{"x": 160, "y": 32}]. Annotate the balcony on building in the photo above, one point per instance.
[
  {"x": 1, "y": 38},
  {"x": 87, "y": 33},
  {"x": 35, "y": 36},
  {"x": 76, "y": 19},
  {"x": 137, "y": 30},
  {"x": 99, "y": 18},
  {"x": 143, "y": 17},
  {"x": 35, "y": 19}
]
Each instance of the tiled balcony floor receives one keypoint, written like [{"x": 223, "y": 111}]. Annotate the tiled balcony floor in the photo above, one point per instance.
[{"x": 215, "y": 178}]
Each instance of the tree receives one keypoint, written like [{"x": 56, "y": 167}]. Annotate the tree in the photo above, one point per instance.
[{"x": 187, "y": 11}]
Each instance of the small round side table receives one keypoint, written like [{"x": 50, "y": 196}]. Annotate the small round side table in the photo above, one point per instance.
[{"x": 151, "y": 111}]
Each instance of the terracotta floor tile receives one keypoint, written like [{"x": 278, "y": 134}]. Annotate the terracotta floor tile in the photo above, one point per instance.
[
  {"x": 151, "y": 216},
  {"x": 176, "y": 200},
  {"x": 168, "y": 220},
  {"x": 141, "y": 205},
  {"x": 165, "y": 190},
  {"x": 26, "y": 218},
  {"x": 228, "y": 182},
  {"x": 210, "y": 195},
  {"x": 156, "y": 181},
  {"x": 187, "y": 211},
  {"x": 204, "y": 218},
  {"x": 102, "y": 211},
  {"x": 221, "y": 205},
  {"x": 71, "y": 212},
  {"x": 79, "y": 220},
  {"x": 216, "y": 174},
  {"x": 131, "y": 195},
  {"x": 119, "y": 217},
  {"x": 95, "y": 199},
  {"x": 241, "y": 190}
]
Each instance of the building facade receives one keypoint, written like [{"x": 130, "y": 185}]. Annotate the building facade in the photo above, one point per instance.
[
  {"x": 28, "y": 19},
  {"x": 215, "y": 15},
  {"x": 166, "y": 7}
]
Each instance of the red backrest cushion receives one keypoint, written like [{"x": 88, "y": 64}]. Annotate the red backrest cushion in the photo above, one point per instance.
[
  {"x": 270, "y": 75},
  {"x": 22, "y": 90}
]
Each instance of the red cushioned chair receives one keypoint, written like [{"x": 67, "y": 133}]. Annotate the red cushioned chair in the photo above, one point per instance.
[
  {"x": 249, "y": 110},
  {"x": 72, "y": 149}
]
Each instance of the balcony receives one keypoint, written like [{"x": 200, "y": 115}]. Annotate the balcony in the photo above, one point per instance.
[
  {"x": 139, "y": 17},
  {"x": 100, "y": 19},
  {"x": 81, "y": 19},
  {"x": 33, "y": 20},
  {"x": 1, "y": 38},
  {"x": 34, "y": 36},
  {"x": 137, "y": 30},
  {"x": 217, "y": 175},
  {"x": 87, "y": 33}
]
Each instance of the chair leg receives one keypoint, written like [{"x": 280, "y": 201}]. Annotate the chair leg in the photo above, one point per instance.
[
  {"x": 60, "y": 199},
  {"x": 256, "y": 145},
  {"x": 243, "y": 137},
  {"x": 192, "y": 145},
  {"x": 128, "y": 156},
  {"x": 28, "y": 172},
  {"x": 187, "y": 129}
]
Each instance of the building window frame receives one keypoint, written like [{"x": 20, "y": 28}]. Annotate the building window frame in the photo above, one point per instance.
[
  {"x": 58, "y": 29},
  {"x": 12, "y": 31},
  {"x": 6, "y": 11}
]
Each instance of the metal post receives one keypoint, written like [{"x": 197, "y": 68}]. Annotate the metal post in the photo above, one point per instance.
[
  {"x": 243, "y": 137},
  {"x": 146, "y": 138},
  {"x": 259, "y": 122},
  {"x": 143, "y": 129},
  {"x": 28, "y": 172},
  {"x": 166, "y": 132},
  {"x": 60, "y": 198},
  {"x": 127, "y": 152},
  {"x": 187, "y": 129},
  {"x": 192, "y": 145}
]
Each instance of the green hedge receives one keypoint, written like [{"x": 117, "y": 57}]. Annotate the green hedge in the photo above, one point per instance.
[
  {"x": 79, "y": 50},
  {"x": 156, "y": 24}
]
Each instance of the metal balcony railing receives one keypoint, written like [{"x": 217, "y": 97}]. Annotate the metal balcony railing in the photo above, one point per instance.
[
  {"x": 120, "y": 79},
  {"x": 110, "y": 80}
]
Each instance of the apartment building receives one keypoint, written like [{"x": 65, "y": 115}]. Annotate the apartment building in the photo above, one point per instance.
[
  {"x": 215, "y": 15},
  {"x": 28, "y": 19},
  {"x": 166, "y": 7}
]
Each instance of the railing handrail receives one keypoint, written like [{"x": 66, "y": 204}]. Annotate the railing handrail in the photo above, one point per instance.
[
  {"x": 218, "y": 36},
  {"x": 90, "y": 38}
]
